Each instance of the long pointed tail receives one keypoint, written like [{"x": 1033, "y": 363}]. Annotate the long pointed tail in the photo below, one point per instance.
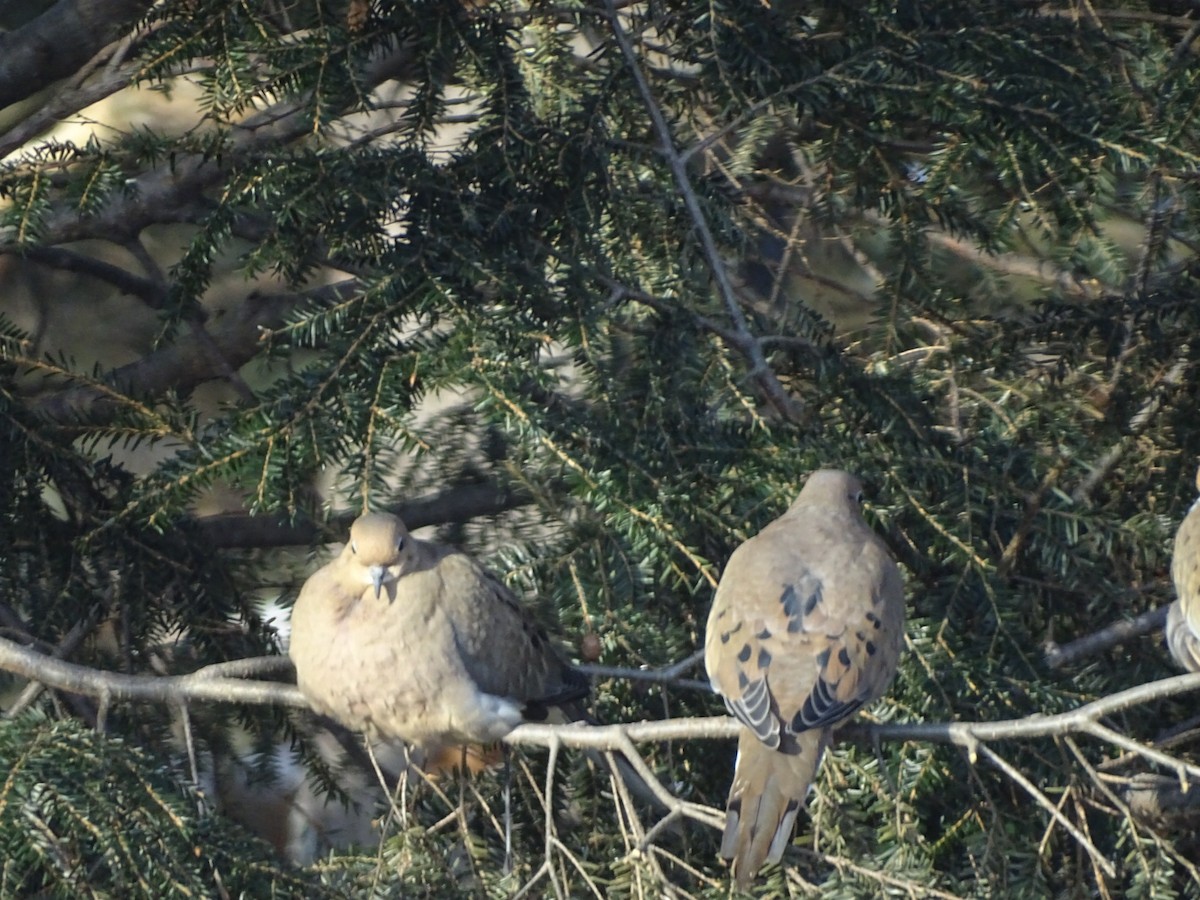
[{"x": 767, "y": 793}]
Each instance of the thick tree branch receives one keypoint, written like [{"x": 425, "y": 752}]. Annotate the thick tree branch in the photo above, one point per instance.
[
  {"x": 182, "y": 366},
  {"x": 59, "y": 41},
  {"x": 175, "y": 192},
  {"x": 455, "y": 504},
  {"x": 152, "y": 293},
  {"x": 112, "y": 686}
]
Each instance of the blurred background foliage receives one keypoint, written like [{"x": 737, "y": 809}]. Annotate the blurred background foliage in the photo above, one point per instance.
[{"x": 594, "y": 298}]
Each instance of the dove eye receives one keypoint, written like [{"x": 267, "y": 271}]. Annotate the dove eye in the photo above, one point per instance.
[{"x": 858, "y": 498}]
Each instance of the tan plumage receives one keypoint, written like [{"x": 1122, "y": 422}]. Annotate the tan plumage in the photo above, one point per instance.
[
  {"x": 1183, "y": 618},
  {"x": 806, "y": 628},
  {"x": 411, "y": 640}
]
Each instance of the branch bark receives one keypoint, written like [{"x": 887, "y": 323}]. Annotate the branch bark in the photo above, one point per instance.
[
  {"x": 201, "y": 685},
  {"x": 59, "y": 41},
  {"x": 184, "y": 365},
  {"x": 454, "y": 504},
  {"x": 152, "y": 688}
]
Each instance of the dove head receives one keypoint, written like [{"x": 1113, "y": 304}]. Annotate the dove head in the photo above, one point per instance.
[
  {"x": 380, "y": 548},
  {"x": 830, "y": 488}
]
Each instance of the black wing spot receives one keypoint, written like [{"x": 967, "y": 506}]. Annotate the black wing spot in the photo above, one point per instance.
[
  {"x": 763, "y": 635},
  {"x": 874, "y": 620},
  {"x": 789, "y": 600},
  {"x": 871, "y": 648},
  {"x": 764, "y": 658},
  {"x": 823, "y": 658},
  {"x": 726, "y": 635},
  {"x": 844, "y": 657},
  {"x": 744, "y": 653},
  {"x": 813, "y": 599}
]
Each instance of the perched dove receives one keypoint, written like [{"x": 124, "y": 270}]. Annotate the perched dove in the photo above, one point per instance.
[
  {"x": 1183, "y": 618},
  {"x": 411, "y": 640},
  {"x": 806, "y": 628}
]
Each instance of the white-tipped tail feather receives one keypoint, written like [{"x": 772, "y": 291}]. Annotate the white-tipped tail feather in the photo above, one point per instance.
[{"x": 768, "y": 790}]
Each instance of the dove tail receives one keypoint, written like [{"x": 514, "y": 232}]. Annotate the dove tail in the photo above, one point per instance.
[{"x": 768, "y": 790}]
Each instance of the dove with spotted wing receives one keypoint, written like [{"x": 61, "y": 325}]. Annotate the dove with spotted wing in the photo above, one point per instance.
[
  {"x": 1183, "y": 616},
  {"x": 412, "y": 640},
  {"x": 806, "y": 628}
]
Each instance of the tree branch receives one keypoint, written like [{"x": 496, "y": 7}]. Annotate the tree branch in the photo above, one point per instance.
[
  {"x": 740, "y": 338},
  {"x": 202, "y": 685},
  {"x": 455, "y": 504},
  {"x": 59, "y": 41},
  {"x": 1109, "y": 636},
  {"x": 183, "y": 365},
  {"x": 111, "y": 686}
]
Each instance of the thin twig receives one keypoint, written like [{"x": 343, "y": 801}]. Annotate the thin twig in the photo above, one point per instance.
[
  {"x": 665, "y": 675},
  {"x": 1182, "y": 769},
  {"x": 1141, "y": 419},
  {"x": 741, "y": 338},
  {"x": 1030, "y": 788}
]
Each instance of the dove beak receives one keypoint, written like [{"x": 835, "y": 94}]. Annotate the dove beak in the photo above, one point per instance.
[{"x": 377, "y": 573}]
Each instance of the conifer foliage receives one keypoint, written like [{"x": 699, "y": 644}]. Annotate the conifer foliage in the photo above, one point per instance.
[{"x": 591, "y": 287}]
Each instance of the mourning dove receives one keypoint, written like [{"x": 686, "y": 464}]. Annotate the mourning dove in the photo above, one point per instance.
[
  {"x": 806, "y": 628},
  {"x": 1183, "y": 618},
  {"x": 410, "y": 640}
]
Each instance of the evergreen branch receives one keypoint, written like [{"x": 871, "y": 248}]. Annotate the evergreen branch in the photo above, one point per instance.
[
  {"x": 70, "y": 100},
  {"x": 663, "y": 527},
  {"x": 175, "y": 193},
  {"x": 843, "y": 863},
  {"x": 1137, "y": 424},
  {"x": 743, "y": 340}
]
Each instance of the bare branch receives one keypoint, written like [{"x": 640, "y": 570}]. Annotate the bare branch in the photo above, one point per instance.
[
  {"x": 669, "y": 675},
  {"x": 1040, "y": 798},
  {"x": 201, "y": 686},
  {"x": 153, "y": 294},
  {"x": 1117, "y": 633},
  {"x": 152, "y": 688}
]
